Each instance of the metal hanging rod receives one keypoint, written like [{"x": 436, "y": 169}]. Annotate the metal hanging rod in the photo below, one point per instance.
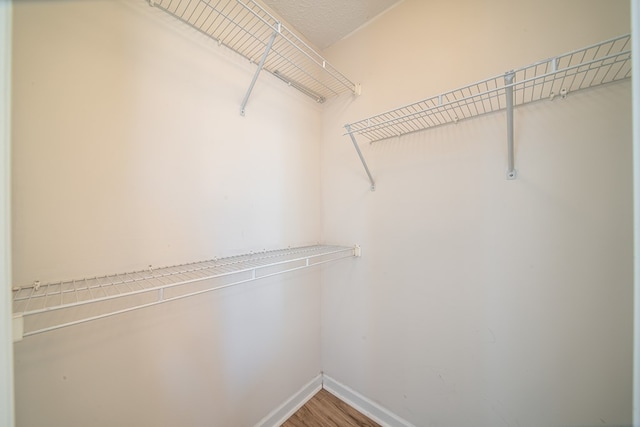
[
  {"x": 41, "y": 308},
  {"x": 249, "y": 30},
  {"x": 594, "y": 65}
]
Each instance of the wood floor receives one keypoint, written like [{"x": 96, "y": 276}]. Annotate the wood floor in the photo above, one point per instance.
[{"x": 326, "y": 410}]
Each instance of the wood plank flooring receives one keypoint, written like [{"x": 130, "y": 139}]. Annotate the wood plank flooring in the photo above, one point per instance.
[{"x": 326, "y": 410}]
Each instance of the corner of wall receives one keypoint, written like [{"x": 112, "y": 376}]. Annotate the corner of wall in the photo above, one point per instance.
[{"x": 6, "y": 347}]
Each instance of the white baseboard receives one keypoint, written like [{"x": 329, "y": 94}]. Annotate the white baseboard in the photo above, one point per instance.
[
  {"x": 369, "y": 408},
  {"x": 377, "y": 413},
  {"x": 282, "y": 413}
]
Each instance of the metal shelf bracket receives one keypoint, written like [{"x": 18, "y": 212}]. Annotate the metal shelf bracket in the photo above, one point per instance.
[
  {"x": 260, "y": 67},
  {"x": 364, "y": 163},
  {"x": 508, "y": 85}
]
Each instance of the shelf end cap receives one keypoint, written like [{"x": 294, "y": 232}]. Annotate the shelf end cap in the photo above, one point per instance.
[{"x": 357, "y": 251}]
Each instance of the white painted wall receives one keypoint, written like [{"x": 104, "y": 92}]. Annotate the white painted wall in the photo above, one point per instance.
[
  {"x": 480, "y": 301},
  {"x": 129, "y": 150},
  {"x": 6, "y": 347}
]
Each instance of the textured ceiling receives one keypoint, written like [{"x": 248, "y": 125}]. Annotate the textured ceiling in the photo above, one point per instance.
[{"x": 324, "y": 22}]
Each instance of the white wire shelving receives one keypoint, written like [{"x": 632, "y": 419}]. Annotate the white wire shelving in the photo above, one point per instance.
[
  {"x": 248, "y": 29},
  {"x": 594, "y": 65},
  {"x": 39, "y": 308}
]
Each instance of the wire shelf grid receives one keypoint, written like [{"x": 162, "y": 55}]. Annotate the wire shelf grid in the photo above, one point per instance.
[
  {"x": 58, "y": 304},
  {"x": 246, "y": 28},
  {"x": 591, "y": 66}
]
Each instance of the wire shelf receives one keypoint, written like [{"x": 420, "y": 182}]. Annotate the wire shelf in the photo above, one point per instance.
[
  {"x": 246, "y": 28},
  {"x": 594, "y": 65},
  {"x": 42, "y": 308}
]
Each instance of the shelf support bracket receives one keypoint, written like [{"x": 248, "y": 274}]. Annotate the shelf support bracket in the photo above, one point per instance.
[
  {"x": 260, "y": 66},
  {"x": 508, "y": 81},
  {"x": 364, "y": 163}
]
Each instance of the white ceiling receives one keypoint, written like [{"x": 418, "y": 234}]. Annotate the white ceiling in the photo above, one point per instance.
[{"x": 324, "y": 22}]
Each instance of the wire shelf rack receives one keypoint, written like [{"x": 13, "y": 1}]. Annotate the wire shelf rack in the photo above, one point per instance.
[
  {"x": 594, "y": 65},
  {"x": 248, "y": 29},
  {"x": 591, "y": 66},
  {"x": 40, "y": 308}
]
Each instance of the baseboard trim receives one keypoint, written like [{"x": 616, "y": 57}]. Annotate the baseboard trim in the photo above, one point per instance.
[
  {"x": 282, "y": 413},
  {"x": 371, "y": 409}
]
